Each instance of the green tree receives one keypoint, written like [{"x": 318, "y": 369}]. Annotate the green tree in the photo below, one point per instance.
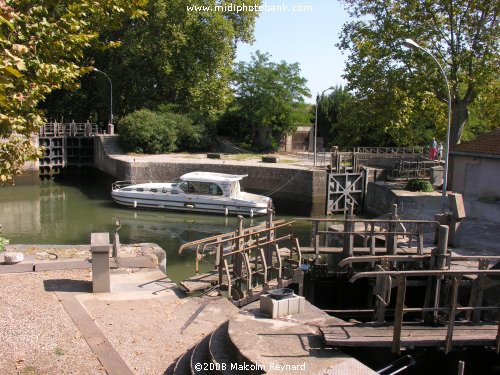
[
  {"x": 462, "y": 35},
  {"x": 268, "y": 95},
  {"x": 174, "y": 55},
  {"x": 330, "y": 109},
  {"x": 42, "y": 43},
  {"x": 484, "y": 112}
]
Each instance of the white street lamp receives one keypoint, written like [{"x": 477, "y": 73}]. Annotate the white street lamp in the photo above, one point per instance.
[
  {"x": 111, "y": 96},
  {"x": 410, "y": 43},
  {"x": 316, "y": 122}
]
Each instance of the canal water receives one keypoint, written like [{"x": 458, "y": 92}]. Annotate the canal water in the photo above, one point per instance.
[{"x": 67, "y": 210}]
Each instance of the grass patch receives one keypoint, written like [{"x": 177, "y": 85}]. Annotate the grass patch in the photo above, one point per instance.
[
  {"x": 59, "y": 351},
  {"x": 244, "y": 156}
]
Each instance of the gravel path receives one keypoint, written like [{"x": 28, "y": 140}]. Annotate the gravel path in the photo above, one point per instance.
[{"x": 37, "y": 335}]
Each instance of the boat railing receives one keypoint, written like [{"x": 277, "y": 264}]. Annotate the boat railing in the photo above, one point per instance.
[{"x": 125, "y": 183}]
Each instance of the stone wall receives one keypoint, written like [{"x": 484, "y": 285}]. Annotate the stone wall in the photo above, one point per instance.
[{"x": 380, "y": 197}]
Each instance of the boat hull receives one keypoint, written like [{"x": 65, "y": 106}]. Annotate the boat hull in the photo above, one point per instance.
[{"x": 224, "y": 206}]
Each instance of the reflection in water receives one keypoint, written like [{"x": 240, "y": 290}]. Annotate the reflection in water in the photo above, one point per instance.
[{"x": 66, "y": 211}]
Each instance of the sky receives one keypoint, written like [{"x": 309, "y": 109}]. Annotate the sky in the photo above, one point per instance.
[{"x": 306, "y": 37}]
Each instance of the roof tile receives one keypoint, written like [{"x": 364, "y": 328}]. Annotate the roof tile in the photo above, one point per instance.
[{"x": 485, "y": 144}]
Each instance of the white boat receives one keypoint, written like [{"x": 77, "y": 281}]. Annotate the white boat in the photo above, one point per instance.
[{"x": 205, "y": 192}]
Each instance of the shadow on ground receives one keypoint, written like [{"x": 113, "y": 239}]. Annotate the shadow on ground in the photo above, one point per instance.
[{"x": 67, "y": 285}]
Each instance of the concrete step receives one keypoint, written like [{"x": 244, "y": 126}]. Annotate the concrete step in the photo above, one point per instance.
[
  {"x": 111, "y": 145},
  {"x": 201, "y": 357},
  {"x": 183, "y": 364},
  {"x": 222, "y": 352}
]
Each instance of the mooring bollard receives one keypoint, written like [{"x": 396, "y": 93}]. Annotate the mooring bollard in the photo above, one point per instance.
[
  {"x": 116, "y": 240},
  {"x": 99, "y": 247}
]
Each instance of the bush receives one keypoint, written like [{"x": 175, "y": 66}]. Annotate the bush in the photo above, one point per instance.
[
  {"x": 419, "y": 185},
  {"x": 3, "y": 242},
  {"x": 162, "y": 131},
  {"x": 149, "y": 132}
]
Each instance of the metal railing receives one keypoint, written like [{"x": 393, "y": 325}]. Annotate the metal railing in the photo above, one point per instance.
[
  {"x": 390, "y": 150},
  {"x": 391, "y": 230},
  {"x": 71, "y": 129},
  {"x": 126, "y": 183},
  {"x": 405, "y": 170},
  {"x": 245, "y": 258},
  {"x": 445, "y": 274}
]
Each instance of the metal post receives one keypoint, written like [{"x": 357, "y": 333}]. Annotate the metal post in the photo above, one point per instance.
[
  {"x": 99, "y": 247},
  {"x": 270, "y": 236},
  {"x": 442, "y": 248},
  {"x": 111, "y": 96},
  {"x": 392, "y": 240},
  {"x": 412, "y": 44},
  {"x": 315, "y": 238},
  {"x": 237, "y": 258},
  {"x": 316, "y": 128},
  {"x": 349, "y": 227}
]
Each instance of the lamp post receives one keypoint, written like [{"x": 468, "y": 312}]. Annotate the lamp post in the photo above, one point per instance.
[
  {"x": 111, "y": 97},
  {"x": 410, "y": 43},
  {"x": 316, "y": 122}
]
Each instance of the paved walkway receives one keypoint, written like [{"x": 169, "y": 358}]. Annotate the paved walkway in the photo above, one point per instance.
[{"x": 289, "y": 161}]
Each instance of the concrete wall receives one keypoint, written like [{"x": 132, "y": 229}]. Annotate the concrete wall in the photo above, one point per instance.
[
  {"x": 478, "y": 180},
  {"x": 380, "y": 197},
  {"x": 476, "y": 177},
  {"x": 109, "y": 164}
]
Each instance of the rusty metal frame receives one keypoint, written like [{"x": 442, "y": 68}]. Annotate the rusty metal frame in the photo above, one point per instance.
[{"x": 452, "y": 310}]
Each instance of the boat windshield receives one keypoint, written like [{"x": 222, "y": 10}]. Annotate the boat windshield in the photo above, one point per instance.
[
  {"x": 235, "y": 189},
  {"x": 203, "y": 188}
]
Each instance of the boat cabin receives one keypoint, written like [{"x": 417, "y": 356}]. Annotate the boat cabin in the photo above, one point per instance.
[{"x": 205, "y": 183}]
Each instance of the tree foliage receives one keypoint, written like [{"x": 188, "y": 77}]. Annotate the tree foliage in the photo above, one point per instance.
[
  {"x": 171, "y": 56},
  {"x": 42, "y": 43},
  {"x": 331, "y": 108},
  {"x": 163, "y": 131},
  {"x": 269, "y": 95},
  {"x": 397, "y": 87}
]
